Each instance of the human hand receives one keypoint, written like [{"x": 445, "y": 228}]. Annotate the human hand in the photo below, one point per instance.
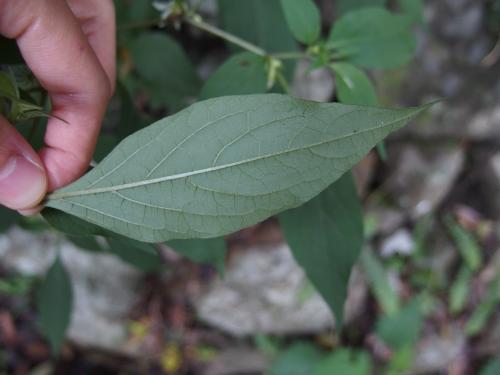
[{"x": 70, "y": 47}]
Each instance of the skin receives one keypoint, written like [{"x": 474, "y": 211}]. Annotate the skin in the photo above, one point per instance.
[{"x": 70, "y": 47}]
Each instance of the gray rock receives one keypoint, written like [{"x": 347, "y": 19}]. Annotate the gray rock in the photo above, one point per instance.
[
  {"x": 104, "y": 287},
  {"x": 436, "y": 352},
  {"x": 422, "y": 176},
  {"x": 317, "y": 85},
  {"x": 265, "y": 291},
  {"x": 238, "y": 361}
]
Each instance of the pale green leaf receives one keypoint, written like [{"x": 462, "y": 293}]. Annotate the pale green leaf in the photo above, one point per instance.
[
  {"x": 466, "y": 244},
  {"x": 211, "y": 251},
  {"x": 459, "y": 291},
  {"x": 244, "y": 73},
  {"x": 326, "y": 237},
  {"x": 344, "y": 362},
  {"x": 223, "y": 164},
  {"x": 303, "y": 19},
  {"x": 54, "y": 303},
  {"x": 373, "y": 38},
  {"x": 353, "y": 85},
  {"x": 299, "y": 359}
]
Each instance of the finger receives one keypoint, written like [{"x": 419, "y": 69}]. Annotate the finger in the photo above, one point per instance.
[
  {"x": 97, "y": 21},
  {"x": 58, "y": 53},
  {"x": 23, "y": 182}
]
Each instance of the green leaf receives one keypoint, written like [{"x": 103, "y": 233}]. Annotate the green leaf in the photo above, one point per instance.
[
  {"x": 402, "y": 329},
  {"x": 344, "y": 362},
  {"x": 477, "y": 322},
  {"x": 353, "y": 85},
  {"x": 8, "y": 87},
  {"x": 54, "y": 303},
  {"x": 211, "y": 251},
  {"x": 299, "y": 359},
  {"x": 466, "y": 243},
  {"x": 303, "y": 18},
  {"x": 459, "y": 291},
  {"x": 414, "y": 9},
  {"x": 139, "y": 255},
  {"x": 244, "y": 73},
  {"x": 71, "y": 225},
  {"x": 7, "y": 218},
  {"x": 373, "y": 38},
  {"x": 223, "y": 164},
  {"x": 344, "y": 6},
  {"x": 169, "y": 77},
  {"x": 10, "y": 52},
  {"x": 326, "y": 238},
  {"x": 386, "y": 296},
  {"x": 492, "y": 367}
]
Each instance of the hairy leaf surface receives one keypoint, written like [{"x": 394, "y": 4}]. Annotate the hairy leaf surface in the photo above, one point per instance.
[{"x": 223, "y": 164}]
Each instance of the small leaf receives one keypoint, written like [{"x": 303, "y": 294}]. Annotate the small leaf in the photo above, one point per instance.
[
  {"x": 224, "y": 164},
  {"x": 386, "y": 296},
  {"x": 402, "y": 329},
  {"x": 54, "y": 302},
  {"x": 8, "y": 87},
  {"x": 211, "y": 251},
  {"x": 344, "y": 362},
  {"x": 303, "y": 18},
  {"x": 345, "y": 6},
  {"x": 299, "y": 359},
  {"x": 459, "y": 291},
  {"x": 466, "y": 243},
  {"x": 326, "y": 237},
  {"x": 480, "y": 317},
  {"x": 353, "y": 85},
  {"x": 374, "y": 38},
  {"x": 169, "y": 77},
  {"x": 244, "y": 73}
]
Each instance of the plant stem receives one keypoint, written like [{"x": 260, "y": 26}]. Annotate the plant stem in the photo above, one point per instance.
[
  {"x": 290, "y": 55},
  {"x": 196, "y": 21},
  {"x": 283, "y": 83}
]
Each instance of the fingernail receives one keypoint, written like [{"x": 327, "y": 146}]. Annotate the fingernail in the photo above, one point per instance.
[{"x": 22, "y": 183}]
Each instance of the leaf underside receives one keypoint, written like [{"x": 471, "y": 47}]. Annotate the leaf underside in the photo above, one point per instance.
[{"x": 224, "y": 164}]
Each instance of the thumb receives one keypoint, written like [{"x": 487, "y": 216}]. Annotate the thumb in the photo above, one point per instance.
[{"x": 23, "y": 181}]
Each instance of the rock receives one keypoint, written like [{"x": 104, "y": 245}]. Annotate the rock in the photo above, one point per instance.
[
  {"x": 104, "y": 287},
  {"x": 265, "y": 291},
  {"x": 317, "y": 85},
  {"x": 401, "y": 242},
  {"x": 423, "y": 176},
  {"x": 436, "y": 352}
]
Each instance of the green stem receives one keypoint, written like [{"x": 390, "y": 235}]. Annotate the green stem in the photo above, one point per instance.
[
  {"x": 196, "y": 21},
  {"x": 283, "y": 83},
  {"x": 290, "y": 55}
]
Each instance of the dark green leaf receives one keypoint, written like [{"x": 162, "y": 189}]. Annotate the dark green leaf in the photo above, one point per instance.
[
  {"x": 71, "y": 225},
  {"x": 139, "y": 255},
  {"x": 224, "y": 164},
  {"x": 244, "y": 73},
  {"x": 211, "y": 251},
  {"x": 86, "y": 243},
  {"x": 169, "y": 77},
  {"x": 7, "y": 218},
  {"x": 492, "y": 367},
  {"x": 54, "y": 302},
  {"x": 300, "y": 359},
  {"x": 344, "y": 6},
  {"x": 374, "y": 38},
  {"x": 326, "y": 237},
  {"x": 353, "y": 85},
  {"x": 344, "y": 362},
  {"x": 303, "y": 18},
  {"x": 402, "y": 329}
]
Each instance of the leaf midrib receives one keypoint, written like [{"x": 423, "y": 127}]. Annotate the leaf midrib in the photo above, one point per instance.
[{"x": 63, "y": 195}]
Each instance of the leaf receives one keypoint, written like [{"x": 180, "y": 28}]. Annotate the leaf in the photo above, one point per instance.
[
  {"x": 139, "y": 255},
  {"x": 402, "y": 329},
  {"x": 299, "y": 359},
  {"x": 353, "y": 85},
  {"x": 211, "y": 251},
  {"x": 223, "y": 164},
  {"x": 169, "y": 77},
  {"x": 460, "y": 289},
  {"x": 326, "y": 238},
  {"x": 344, "y": 362},
  {"x": 477, "y": 322},
  {"x": 379, "y": 283},
  {"x": 345, "y": 6},
  {"x": 244, "y": 73},
  {"x": 373, "y": 38},
  {"x": 466, "y": 243},
  {"x": 54, "y": 303},
  {"x": 303, "y": 19},
  {"x": 71, "y": 225},
  {"x": 8, "y": 87},
  {"x": 492, "y": 367},
  {"x": 10, "y": 52},
  {"x": 261, "y": 22},
  {"x": 414, "y": 9}
]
